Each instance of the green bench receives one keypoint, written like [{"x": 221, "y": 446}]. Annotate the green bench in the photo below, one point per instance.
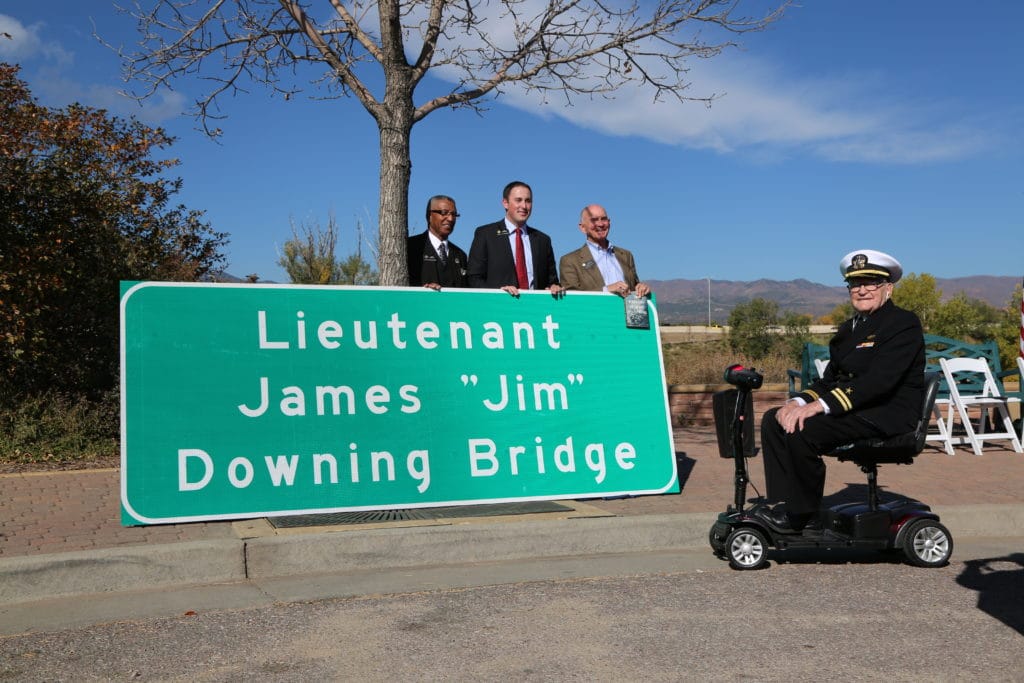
[
  {"x": 935, "y": 347},
  {"x": 805, "y": 376}
]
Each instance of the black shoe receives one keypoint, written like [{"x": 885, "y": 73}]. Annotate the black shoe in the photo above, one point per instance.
[
  {"x": 813, "y": 528},
  {"x": 778, "y": 517},
  {"x": 798, "y": 521}
]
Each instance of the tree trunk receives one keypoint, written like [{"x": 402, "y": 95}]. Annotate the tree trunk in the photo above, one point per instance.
[{"x": 393, "y": 211}]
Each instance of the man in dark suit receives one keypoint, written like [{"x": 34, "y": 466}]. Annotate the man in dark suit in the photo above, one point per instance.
[
  {"x": 598, "y": 266},
  {"x": 433, "y": 260},
  {"x": 510, "y": 254},
  {"x": 872, "y": 387}
]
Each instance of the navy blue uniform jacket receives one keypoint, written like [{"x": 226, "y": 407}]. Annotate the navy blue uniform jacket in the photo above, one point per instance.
[{"x": 876, "y": 371}]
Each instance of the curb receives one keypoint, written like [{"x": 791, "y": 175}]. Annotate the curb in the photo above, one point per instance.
[
  {"x": 110, "y": 570},
  {"x": 468, "y": 543},
  {"x": 983, "y": 520},
  {"x": 42, "y": 577}
]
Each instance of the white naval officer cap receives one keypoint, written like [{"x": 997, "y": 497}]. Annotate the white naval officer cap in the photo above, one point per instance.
[{"x": 867, "y": 263}]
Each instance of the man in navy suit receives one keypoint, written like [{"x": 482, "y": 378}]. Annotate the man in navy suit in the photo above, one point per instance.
[
  {"x": 493, "y": 261},
  {"x": 872, "y": 387},
  {"x": 433, "y": 260}
]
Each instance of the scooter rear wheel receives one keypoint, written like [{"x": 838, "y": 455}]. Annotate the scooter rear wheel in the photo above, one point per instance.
[
  {"x": 926, "y": 543},
  {"x": 746, "y": 548}
]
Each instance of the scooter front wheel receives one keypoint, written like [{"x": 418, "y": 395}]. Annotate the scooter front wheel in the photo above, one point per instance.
[
  {"x": 746, "y": 548},
  {"x": 927, "y": 543}
]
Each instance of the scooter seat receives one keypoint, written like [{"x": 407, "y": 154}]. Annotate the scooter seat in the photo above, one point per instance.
[{"x": 900, "y": 449}]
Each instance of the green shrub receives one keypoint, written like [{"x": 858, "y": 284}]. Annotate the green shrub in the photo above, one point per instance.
[
  {"x": 750, "y": 327},
  {"x": 796, "y": 331},
  {"x": 58, "y": 428}
]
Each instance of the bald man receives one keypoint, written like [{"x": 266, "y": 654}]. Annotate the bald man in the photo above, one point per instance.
[{"x": 598, "y": 266}]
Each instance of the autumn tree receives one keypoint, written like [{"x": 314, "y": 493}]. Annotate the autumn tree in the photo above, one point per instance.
[
  {"x": 964, "y": 318},
  {"x": 310, "y": 258},
  {"x": 841, "y": 313},
  {"x": 83, "y": 205},
  {"x": 381, "y": 52},
  {"x": 1008, "y": 331},
  {"x": 920, "y": 294}
]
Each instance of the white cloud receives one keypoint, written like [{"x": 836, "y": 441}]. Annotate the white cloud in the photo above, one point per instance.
[
  {"x": 58, "y": 89},
  {"x": 906, "y": 146},
  {"x": 18, "y": 42},
  {"x": 54, "y": 86},
  {"x": 760, "y": 110}
]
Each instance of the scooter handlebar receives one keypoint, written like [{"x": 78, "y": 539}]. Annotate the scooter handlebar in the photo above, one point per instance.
[{"x": 743, "y": 378}]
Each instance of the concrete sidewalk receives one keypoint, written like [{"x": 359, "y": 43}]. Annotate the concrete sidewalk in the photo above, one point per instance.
[{"x": 60, "y": 532}]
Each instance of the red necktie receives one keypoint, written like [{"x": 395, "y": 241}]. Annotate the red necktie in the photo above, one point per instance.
[{"x": 524, "y": 281}]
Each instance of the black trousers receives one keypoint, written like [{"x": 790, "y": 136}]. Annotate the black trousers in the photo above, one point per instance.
[{"x": 793, "y": 468}]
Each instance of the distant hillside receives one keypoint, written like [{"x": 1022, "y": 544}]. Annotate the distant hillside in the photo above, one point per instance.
[{"x": 686, "y": 301}]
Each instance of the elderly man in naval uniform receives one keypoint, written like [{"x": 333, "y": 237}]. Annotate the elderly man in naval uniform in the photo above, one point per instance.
[{"x": 873, "y": 387}]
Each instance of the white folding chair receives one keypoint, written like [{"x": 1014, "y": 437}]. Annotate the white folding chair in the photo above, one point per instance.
[
  {"x": 943, "y": 425},
  {"x": 987, "y": 398}
]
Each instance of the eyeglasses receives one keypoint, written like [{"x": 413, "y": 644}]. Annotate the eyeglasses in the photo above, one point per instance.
[
  {"x": 444, "y": 213},
  {"x": 872, "y": 286}
]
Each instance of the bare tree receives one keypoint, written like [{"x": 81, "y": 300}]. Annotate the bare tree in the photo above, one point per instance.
[{"x": 568, "y": 48}]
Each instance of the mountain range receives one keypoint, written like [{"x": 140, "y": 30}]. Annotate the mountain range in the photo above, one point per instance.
[{"x": 686, "y": 301}]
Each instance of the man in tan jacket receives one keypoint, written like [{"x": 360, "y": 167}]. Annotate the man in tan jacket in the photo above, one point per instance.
[{"x": 598, "y": 266}]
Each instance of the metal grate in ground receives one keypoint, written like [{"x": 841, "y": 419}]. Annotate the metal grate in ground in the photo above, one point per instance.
[{"x": 376, "y": 516}]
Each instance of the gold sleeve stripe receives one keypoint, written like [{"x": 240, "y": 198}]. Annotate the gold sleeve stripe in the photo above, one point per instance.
[
  {"x": 814, "y": 396},
  {"x": 844, "y": 400}
]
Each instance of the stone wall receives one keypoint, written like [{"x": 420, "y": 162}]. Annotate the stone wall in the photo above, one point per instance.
[{"x": 690, "y": 404}]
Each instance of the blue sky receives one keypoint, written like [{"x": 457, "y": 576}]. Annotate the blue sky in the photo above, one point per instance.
[{"x": 883, "y": 125}]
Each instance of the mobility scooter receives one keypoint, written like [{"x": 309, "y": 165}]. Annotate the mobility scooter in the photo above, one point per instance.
[{"x": 742, "y": 535}]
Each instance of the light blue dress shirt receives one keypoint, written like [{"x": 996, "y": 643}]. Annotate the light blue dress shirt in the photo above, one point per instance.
[{"x": 611, "y": 269}]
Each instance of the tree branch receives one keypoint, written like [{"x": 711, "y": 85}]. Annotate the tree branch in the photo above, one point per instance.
[{"x": 570, "y": 47}]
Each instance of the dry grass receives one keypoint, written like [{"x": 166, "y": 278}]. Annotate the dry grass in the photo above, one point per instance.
[{"x": 705, "y": 363}]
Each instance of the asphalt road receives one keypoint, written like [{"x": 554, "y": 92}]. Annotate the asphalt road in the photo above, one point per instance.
[{"x": 658, "y": 617}]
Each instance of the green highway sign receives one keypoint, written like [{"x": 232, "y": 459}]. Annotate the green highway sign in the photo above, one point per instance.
[{"x": 242, "y": 400}]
